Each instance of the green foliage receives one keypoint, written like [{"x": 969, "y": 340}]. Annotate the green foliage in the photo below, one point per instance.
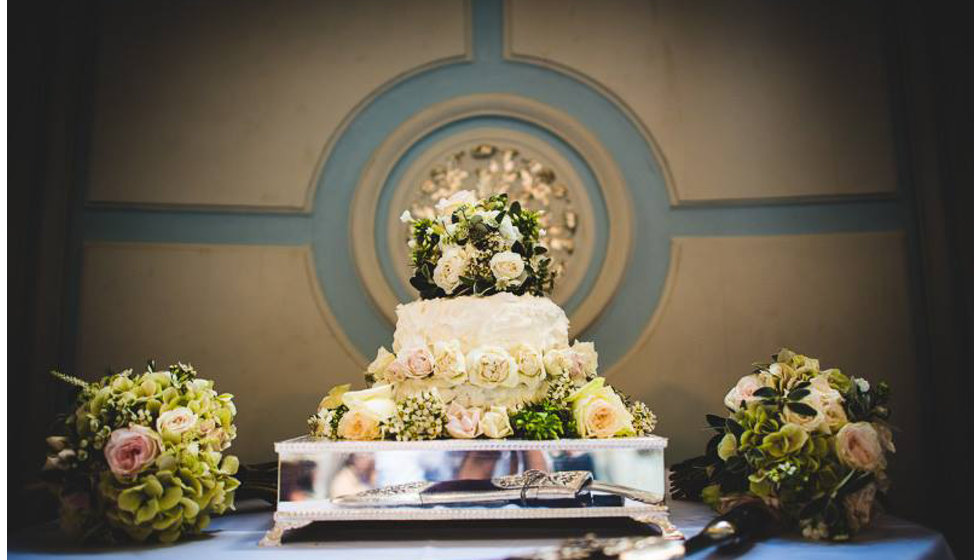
[{"x": 543, "y": 421}]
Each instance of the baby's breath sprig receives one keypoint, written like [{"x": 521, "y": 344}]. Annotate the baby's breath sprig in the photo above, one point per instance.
[{"x": 417, "y": 417}]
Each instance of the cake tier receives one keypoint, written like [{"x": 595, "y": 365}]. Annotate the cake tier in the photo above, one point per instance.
[{"x": 501, "y": 320}]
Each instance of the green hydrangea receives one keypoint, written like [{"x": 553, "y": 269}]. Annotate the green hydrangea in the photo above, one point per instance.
[{"x": 176, "y": 493}]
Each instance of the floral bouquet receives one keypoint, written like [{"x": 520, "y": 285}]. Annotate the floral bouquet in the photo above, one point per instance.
[
  {"x": 809, "y": 443},
  {"x": 141, "y": 456},
  {"x": 478, "y": 247}
]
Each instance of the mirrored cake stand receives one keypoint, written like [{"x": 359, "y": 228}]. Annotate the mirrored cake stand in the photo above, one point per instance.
[{"x": 324, "y": 480}]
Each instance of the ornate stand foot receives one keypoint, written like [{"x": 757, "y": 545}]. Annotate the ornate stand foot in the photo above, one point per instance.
[
  {"x": 273, "y": 537},
  {"x": 667, "y": 529}
]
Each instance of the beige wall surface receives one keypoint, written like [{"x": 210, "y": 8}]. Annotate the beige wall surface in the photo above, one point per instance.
[
  {"x": 732, "y": 301},
  {"x": 747, "y": 100},
  {"x": 249, "y": 317},
  {"x": 233, "y": 103},
  {"x": 230, "y": 105}
]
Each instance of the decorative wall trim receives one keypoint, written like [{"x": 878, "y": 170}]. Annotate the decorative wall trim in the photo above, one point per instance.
[
  {"x": 669, "y": 284},
  {"x": 387, "y": 155},
  {"x": 330, "y": 321},
  {"x": 397, "y": 249},
  {"x": 673, "y": 193},
  {"x": 312, "y": 183}
]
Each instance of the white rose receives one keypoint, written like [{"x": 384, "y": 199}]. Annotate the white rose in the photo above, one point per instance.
[
  {"x": 491, "y": 367},
  {"x": 495, "y": 423},
  {"x": 859, "y": 447},
  {"x": 599, "y": 412},
  {"x": 508, "y": 231},
  {"x": 530, "y": 365},
  {"x": 564, "y": 361},
  {"x": 449, "y": 205},
  {"x": 358, "y": 425},
  {"x": 463, "y": 423},
  {"x": 418, "y": 361},
  {"x": 587, "y": 357},
  {"x": 507, "y": 266},
  {"x": 376, "y": 402},
  {"x": 381, "y": 362},
  {"x": 176, "y": 421},
  {"x": 743, "y": 391},
  {"x": 451, "y": 265},
  {"x": 396, "y": 372},
  {"x": 450, "y": 363}
]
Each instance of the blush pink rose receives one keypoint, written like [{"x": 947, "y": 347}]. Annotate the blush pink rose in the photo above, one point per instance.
[
  {"x": 463, "y": 423},
  {"x": 419, "y": 361},
  {"x": 130, "y": 449}
]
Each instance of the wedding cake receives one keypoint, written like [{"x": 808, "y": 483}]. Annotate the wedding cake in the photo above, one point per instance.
[{"x": 483, "y": 352}]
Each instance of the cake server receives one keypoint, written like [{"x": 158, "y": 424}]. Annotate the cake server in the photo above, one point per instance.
[{"x": 532, "y": 487}]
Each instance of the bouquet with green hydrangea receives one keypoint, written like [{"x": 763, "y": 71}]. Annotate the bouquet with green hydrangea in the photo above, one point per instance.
[
  {"x": 478, "y": 247},
  {"x": 141, "y": 456},
  {"x": 809, "y": 443}
]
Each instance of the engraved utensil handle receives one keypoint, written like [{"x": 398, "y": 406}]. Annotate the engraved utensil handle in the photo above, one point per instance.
[{"x": 626, "y": 492}]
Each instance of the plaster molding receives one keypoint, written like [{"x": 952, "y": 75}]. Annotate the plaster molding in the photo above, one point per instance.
[
  {"x": 332, "y": 139},
  {"x": 674, "y": 195},
  {"x": 571, "y": 131},
  {"x": 329, "y": 320}
]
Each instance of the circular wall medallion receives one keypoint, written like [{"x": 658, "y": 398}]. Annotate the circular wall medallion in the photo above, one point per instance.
[{"x": 378, "y": 170}]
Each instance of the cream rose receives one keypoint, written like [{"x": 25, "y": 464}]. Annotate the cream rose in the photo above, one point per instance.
[
  {"x": 176, "y": 421},
  {"x": 359, "y": 425},
  {"x": 382, "y": 360},
  {"x": 450, "y": 267},
  {"x": 418, "y": 360},
  {"x": 859, "y": 447},
  {"x": 463, "y": 423},
  {"x": 376, "y": 402},
  {"x": 129, "y": 450},
  {"x": 587, "y": 357},
  {"x": 565, "y": 361},
  {"x": 507, "y": 267},
  {"x": 530, "y": 364},
  {"x": 812, "y": 423},
  {"x": 449, "y": 205},
  {"x": 495, "y": 423},
  {"x": 450, "y": 363},
  {"x": 599, "y": 412},
  {"x": 743, "y": 391},
  {"x": 491, "y": 367}
]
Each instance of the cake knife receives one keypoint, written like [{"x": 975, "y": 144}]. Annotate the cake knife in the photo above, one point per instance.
[{"x": 531, "y": 487}]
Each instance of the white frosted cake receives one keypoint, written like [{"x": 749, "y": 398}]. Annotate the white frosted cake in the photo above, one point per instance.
[{"x": 484, "y": 352}]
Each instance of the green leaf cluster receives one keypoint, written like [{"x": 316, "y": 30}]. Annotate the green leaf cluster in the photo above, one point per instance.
[{"x": 542, "y": 421}]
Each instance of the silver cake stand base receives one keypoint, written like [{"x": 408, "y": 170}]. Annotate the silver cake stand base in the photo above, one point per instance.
[{"x": 313, "y": 473}]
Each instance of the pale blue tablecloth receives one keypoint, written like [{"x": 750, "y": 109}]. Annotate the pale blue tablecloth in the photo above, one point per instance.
[{"x": 235, "y": 537}]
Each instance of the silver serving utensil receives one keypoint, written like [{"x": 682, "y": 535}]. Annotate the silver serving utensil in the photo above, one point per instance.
[{"x": 531, "y": 486}]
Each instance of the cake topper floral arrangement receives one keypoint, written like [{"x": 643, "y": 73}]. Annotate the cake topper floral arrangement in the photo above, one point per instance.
[
  {"x": 448, "y": 388},
  {"x": 809, "y": 443},
  {"x": 140, "y": 456},
  {"x": 478, "y": 247}
]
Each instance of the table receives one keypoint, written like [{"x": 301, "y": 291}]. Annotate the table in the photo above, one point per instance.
[{"x": 235, "y": 537}]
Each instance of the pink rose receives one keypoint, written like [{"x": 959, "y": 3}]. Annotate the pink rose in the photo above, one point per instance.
[
  {"x": 743, "y": 391},
  {"x": 419, "y": 361},
  {"x": 131, "y": 449},
  {"x": 463, "y": 423},
  {"x": 859, "y": 447}
]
